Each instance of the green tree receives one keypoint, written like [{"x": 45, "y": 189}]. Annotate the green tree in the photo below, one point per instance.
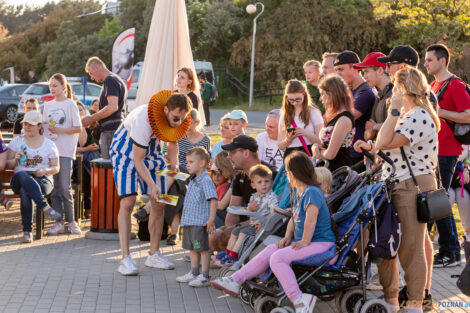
[
  {"x": 301, "y": 30},
  {"x": 110, "y": 28},
  {"x": 422, "y": 22}
]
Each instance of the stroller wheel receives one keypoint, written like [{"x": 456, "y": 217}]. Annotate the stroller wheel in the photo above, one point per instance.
[
  {"x": 338, "y": 298},
  {"x": 280, "y": 310},
  {"x": 265, "y": 304},
  {"x": 372, "y": 305},
  {"x": 349, "y": 300},
  {"x": 245, "y": 294},
  {"x": 254, "y": 295}
]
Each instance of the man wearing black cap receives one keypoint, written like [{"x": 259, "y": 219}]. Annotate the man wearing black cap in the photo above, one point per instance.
[
  {"x": 399, "y": 57},
  {"x": 364, "y": 97},
  {"x": 243, "y": 153}
]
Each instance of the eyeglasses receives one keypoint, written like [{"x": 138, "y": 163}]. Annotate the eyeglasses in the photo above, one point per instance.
[
  {"x": 392, "y": 63},
  {"x": 292, "y": 101}
]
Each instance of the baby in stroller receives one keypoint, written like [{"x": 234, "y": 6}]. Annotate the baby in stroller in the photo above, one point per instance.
[
  {"x": 262, "y": 204},
  {"x": 309, "y": 232}
]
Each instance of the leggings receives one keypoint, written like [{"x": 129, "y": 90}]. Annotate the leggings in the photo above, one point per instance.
[{"x": 279, "y": 260}]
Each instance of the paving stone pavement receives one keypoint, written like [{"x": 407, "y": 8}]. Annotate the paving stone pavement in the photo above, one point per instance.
[{"x": 68, "y": 273}]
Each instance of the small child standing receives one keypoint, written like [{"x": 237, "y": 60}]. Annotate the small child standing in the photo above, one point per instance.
[
  {"x": 200, "y": 205},
  {"x": 263, "y": 201}
]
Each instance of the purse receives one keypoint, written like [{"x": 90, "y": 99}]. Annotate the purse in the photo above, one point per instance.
[{"x": 431, "y": 205}]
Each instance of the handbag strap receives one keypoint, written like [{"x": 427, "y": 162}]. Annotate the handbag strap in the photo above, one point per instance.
[
  {"x": 403, "y": 155},
  {"x": 439, "y": 180},
  {"x": 302, "y": 140}
]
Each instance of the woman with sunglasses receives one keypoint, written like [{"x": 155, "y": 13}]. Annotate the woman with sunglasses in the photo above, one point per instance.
[
  {"x": 35, "y": 160},
  {"x": 300, "y": 121}
]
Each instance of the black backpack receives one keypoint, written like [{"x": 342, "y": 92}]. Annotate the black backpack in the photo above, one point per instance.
[
  {"x": 385, "y": 233},
  {"x": 461, "y": 131}
]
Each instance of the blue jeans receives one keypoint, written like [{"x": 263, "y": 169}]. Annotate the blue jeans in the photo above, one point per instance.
[
  {"x": 61, "y": 195},
  {"x": 448, "y": 238},
  {"x": 30, "y": 189}
]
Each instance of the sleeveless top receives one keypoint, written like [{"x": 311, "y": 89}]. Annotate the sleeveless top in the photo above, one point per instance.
[{"x": 343, "y": 156}]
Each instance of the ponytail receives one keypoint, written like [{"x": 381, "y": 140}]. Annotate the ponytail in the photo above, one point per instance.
[{"x": 68, "y": 92}]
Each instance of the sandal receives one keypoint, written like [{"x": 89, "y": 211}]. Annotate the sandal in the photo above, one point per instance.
[{"x": 51, "y": 214}]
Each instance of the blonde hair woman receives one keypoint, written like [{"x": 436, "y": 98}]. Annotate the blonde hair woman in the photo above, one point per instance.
[{"x": 412, "y": 124}]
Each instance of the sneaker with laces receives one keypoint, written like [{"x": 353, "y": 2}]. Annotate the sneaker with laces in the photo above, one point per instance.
[
  {"x": 186, "y": 278},
  {"x": 159, "y": 261},
  {"x": 172, "y": 240},
  {"x": 199, "y": 281},
  {"x": 127, "y": 267},
  {"x": 227, "y": 285},
  {"x": 51, "y": 214},
  {"x": 226, "y": 261},
  {"x": 441, "y": 260},
  {"x": 427, "y": 301},
  {"x": 57, "y": 228},
  {"x": 305, "y": 303},
  {"x": 27, "y": 237},
  {"x": 74, "y": 229},
  {"x": 220, "y": 255}
]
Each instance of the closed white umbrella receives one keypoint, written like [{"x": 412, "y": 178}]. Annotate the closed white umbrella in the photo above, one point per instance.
[{"x": 168, "y": 49}]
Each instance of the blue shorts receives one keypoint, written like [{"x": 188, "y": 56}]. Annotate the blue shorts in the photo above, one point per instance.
[{"x": 125, "y": 174}]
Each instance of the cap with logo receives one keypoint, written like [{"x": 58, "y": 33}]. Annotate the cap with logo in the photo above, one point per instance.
[
  {"x": 346, "y": 57},
  {"x": 371, "y": 60},
  {"x": 242, "y": 142},
  {"x": 402, "y": 54}
]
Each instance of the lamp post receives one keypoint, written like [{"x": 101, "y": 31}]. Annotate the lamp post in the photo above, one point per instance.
[{"x": 250, "y": 9}]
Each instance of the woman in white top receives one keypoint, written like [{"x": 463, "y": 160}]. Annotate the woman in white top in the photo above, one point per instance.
[
  {"x": 63, "y": 127},
  {"x": 300, "y": 121},
  {"x": 34, "y": 159}
]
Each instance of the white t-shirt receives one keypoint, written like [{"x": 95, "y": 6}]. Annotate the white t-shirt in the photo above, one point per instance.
[
  {"x": 138, "y": 125},
  {"x": 268, "y": 150},
  {"x": 62, "y": 114},
  {"x": 315, "y": 120},
  {"x": 418, "y": 126},
  {"x": 35, "y": 158}
]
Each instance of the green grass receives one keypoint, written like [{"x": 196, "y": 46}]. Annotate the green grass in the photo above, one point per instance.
[{"x": 239, "y": 103}]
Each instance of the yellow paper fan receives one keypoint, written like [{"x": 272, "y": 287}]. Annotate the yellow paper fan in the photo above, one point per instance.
[{"x": 158, "y": 121}]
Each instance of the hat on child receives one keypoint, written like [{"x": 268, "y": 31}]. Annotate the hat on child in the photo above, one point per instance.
[
  {"x": 238, "y": 115},
  {"x": 32, "y": 117}
]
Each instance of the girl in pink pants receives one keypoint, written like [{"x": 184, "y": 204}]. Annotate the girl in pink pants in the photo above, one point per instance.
[{"x": 309, "y": 232}]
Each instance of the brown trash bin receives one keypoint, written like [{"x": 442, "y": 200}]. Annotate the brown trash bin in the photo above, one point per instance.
[{"x": 104, "y": 197}]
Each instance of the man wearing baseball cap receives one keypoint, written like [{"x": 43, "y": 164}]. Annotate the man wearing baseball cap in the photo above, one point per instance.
[
  {"x": 363, "y": 95},
  {"x": 243, "y": 153},
  {"x": 399, "y": 57},
  {"x": 374, "y": 73}
]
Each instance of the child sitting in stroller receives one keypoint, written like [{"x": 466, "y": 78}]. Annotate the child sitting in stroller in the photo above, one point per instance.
[
  {"x": 309, "y": 232},
  {"x": 263, "y": 202}
]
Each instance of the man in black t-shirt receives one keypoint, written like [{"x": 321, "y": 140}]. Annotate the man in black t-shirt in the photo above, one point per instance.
[
  {"x": 243, "y": 153},
  {"x": 112, "y": 98}
]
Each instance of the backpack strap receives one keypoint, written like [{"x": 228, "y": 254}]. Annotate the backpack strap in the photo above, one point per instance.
[{"x": 440, "y": 92}]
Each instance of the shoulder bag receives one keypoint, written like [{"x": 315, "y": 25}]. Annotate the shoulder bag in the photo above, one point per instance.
[{"x": 432, "y": 205}]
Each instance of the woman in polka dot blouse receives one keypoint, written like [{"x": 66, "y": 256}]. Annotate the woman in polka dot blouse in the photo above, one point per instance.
[{"x": 413, "y": 124}]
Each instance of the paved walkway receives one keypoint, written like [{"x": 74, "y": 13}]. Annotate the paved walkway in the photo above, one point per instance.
[{"x": 69, "y": 273}]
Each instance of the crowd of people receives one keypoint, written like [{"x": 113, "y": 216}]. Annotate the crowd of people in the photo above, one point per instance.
[{"x": 343, "y": 107}]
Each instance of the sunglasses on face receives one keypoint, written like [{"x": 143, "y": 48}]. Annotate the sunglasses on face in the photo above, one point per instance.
[{"x": 292, "y": 101}]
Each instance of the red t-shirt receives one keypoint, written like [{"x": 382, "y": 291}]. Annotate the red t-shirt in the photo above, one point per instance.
[{"x": 456, "y": 98}]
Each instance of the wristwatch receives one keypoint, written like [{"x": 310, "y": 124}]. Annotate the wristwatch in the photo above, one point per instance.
[{"x": 395, "y": 112}]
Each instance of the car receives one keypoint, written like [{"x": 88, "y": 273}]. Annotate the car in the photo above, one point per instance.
[
  {"x": 9, "y": 98},
  {"x": 41, "y": 92}
]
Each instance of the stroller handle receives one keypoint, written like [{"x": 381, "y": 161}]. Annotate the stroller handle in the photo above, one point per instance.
[
  {"x": 368, "y": 154},
  {"x": 386, "y": 158}
]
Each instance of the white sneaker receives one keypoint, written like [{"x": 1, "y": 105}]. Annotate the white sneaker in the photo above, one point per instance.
[
  {"x": 186, "y": 278},
  {"x": 74, "y": 229},
  {"x": 374, "y": 283},
  {"x": 58, "y": 228},
  {"x": 226, "y": 284},
  {"x": 199, "y": 281},
  {"x": 127, "y": 267},
  {"x": 159, "y": 261},
  {"x": 27, "y": 237},
  {"x": 305, "y": 303}
]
